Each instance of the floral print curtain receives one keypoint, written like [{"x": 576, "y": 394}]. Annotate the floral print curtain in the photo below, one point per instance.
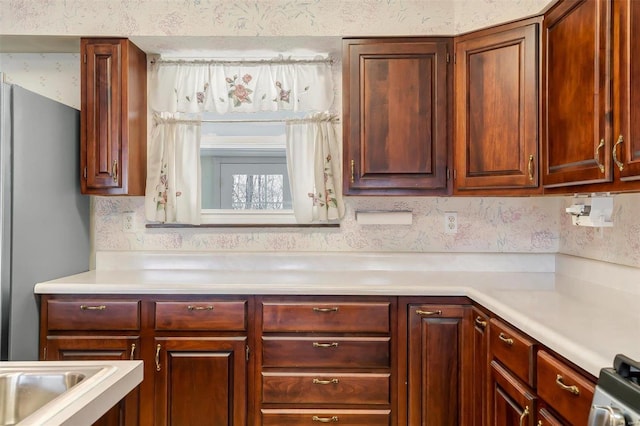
[
  {"x": 223, "y": 87},
  {"x": 173, "y": 171},
  {"x": 187, "y": 88},
  {"x": 316, "y": 191}
]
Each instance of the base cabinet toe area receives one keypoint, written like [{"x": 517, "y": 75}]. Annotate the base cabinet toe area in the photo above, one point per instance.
[{"x": 237, "y": 360}]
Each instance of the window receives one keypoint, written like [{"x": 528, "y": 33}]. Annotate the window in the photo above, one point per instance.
[{"x": 244, "y": 168}]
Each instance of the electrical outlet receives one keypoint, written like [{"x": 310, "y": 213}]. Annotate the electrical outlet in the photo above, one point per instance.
[
  {"x": 128, "y": 222},
  {"x": 450, "y": 222}
]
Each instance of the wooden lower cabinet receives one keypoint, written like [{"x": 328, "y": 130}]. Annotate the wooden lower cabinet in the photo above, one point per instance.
[
  {"x": 303, "y": 417},
  {"x": 201, "y": 380},
  {"x": 298, "y": 360},
  {"x": 512, "y": 403},
  {"x": 89, "y": 348},
  {"x": 480, "y": 368},
  {"x": 437, "y": 354}
]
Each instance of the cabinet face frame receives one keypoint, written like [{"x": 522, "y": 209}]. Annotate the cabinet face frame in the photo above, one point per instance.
[
  {"x": 577, "y": 151},
  {"x": 627, "y": 90},
  {"x": 402, "y": 149},
  {"x": 113, "y": 117},
  {"x": 484, "y": 61}
]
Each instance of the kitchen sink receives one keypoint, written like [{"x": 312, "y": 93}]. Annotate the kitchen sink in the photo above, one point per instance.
[{"x": 24, "y": 390}]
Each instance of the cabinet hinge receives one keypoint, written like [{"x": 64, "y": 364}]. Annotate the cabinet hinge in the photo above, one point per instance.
[
  {"x": 247, "y": 352},
  {"x": 84, "y": 173}
]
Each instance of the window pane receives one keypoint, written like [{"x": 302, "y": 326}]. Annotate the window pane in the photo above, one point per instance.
[{"x": 258, "y": 192}]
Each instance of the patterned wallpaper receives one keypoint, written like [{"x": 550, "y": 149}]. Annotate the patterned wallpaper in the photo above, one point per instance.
[
  {"x": 54, "y": 75},
  {"x": 484, "y": 225},
  {"x": 535, "y": 224},
  {"x": 258, "y": 17}
]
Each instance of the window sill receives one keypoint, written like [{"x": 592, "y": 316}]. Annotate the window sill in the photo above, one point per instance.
[{"x": 242, "y": 225}]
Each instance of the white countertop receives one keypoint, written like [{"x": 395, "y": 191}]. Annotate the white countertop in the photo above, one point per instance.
[
  {"x": 586, "y": 311},
  {"x": 88, "y": 400}
]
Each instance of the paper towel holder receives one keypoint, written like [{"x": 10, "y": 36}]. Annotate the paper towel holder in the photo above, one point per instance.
[{"x": 384, "y": 217}]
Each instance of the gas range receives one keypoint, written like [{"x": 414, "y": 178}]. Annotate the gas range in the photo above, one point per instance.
[{"x": 616, "y": 401}]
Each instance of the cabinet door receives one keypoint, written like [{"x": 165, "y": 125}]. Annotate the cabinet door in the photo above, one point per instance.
[
  {"x": 101, "y": 87},
  {"x": 480, "y": 349},
  {"x": 201, "y": 380},
  {"x": 511, "y": 403},
  {"x": 627, "y": 152},
  {"x": 577, "y": 98},
  {"x": 435, "y": 346},
  {"x": 87, "y": 348},
  {"x": 496, "y": 111},
  {"x": 396, "y": 116}
]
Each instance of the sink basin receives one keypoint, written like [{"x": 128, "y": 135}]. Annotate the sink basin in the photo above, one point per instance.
[{"x": 25, "y": 390}]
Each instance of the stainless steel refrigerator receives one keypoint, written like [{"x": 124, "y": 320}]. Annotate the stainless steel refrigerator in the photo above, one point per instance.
[{"x": 44, "y": 219}]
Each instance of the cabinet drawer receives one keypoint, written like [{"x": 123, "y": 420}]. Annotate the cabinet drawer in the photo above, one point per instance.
[
  {"x": 338, "y": 352},
  {"x": 325, "y": 388},
  {"x": 201, "y": 315},
  {"x": 93, "y": 314},
  {"x": 339, "y": 317},
  {"x": 514, "y": 350},
  {"x": 568, "y": 392},
  {"x": 318, "y": 417}
]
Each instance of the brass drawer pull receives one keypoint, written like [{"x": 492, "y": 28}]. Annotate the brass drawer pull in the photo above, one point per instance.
[
  {"x": 332, "y": 419},
  {"x": 114, "y": 171},
  {"x": 619, "y": 163},
  {"x": 481, "y": 323},
  {"x": 333, "y": 309},
  {"x": 353, "y": 171},
  {"x": 325, "y": 382},
  {"x": 133, "y": 351},
  {"x": 158, "y": 347},
  {"x": 506, "y": 339},
  {"x": 200, "y": 308},
  {"x": 325, "y": 345},
  {"x": 571, "y": 389},
  {"x": 93, "y": 308},
  {"x": 597, "y": 156},
  {"x": 428, "y": 313},
  {"x": 531, "y": 167},
  {"x": 524, "y": 414}
]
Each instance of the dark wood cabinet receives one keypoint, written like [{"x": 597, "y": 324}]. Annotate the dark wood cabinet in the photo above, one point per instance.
[
  {"x": 577, "y": 100},
  {"x": 511, "y": 402},
  {"x": 396, "y": 112},
  {"x": 496, "y": 110},
  {"x": 201, "y": 380},
  {"x": 626, "y": 150},
  {"x": 480, "y": 367},
  {"x": 325, "y": 360},
  {"x": 113, "y": 117},
  {"x": 95, "y": 329},
  {"x": 436, "y": 351}
]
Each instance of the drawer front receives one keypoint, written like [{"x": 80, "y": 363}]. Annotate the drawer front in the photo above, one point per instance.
[
  {"x": 201, "y": 315},
  {"x": 568, "y": 392},
  {"x": 338, "y": 352},
  {"x": 318, "y": 417},
  {"x": 514, "y": 350},
  {"x": 93, "y": 314},
  {"x": 339, "y": 317},
  {"x": 326, "y": 388}
]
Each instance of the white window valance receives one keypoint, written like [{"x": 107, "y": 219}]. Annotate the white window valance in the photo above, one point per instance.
[{"x": 189, "y": 86}]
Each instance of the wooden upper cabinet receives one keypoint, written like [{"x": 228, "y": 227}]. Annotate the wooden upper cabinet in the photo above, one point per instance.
[
  {"x": 627, "y": 91},
  {"x": 577, "y": 98},
  {"x": 396, "y": 110},
  {"x": 113, "y": 117},
  {"x": 496, "y": 110}
]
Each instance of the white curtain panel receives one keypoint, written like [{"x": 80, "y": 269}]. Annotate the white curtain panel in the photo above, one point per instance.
[
  {"x": 314, "y": 167},
  {"x": 173, "y": 172},
  {"x": 223, "y": 87}
]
